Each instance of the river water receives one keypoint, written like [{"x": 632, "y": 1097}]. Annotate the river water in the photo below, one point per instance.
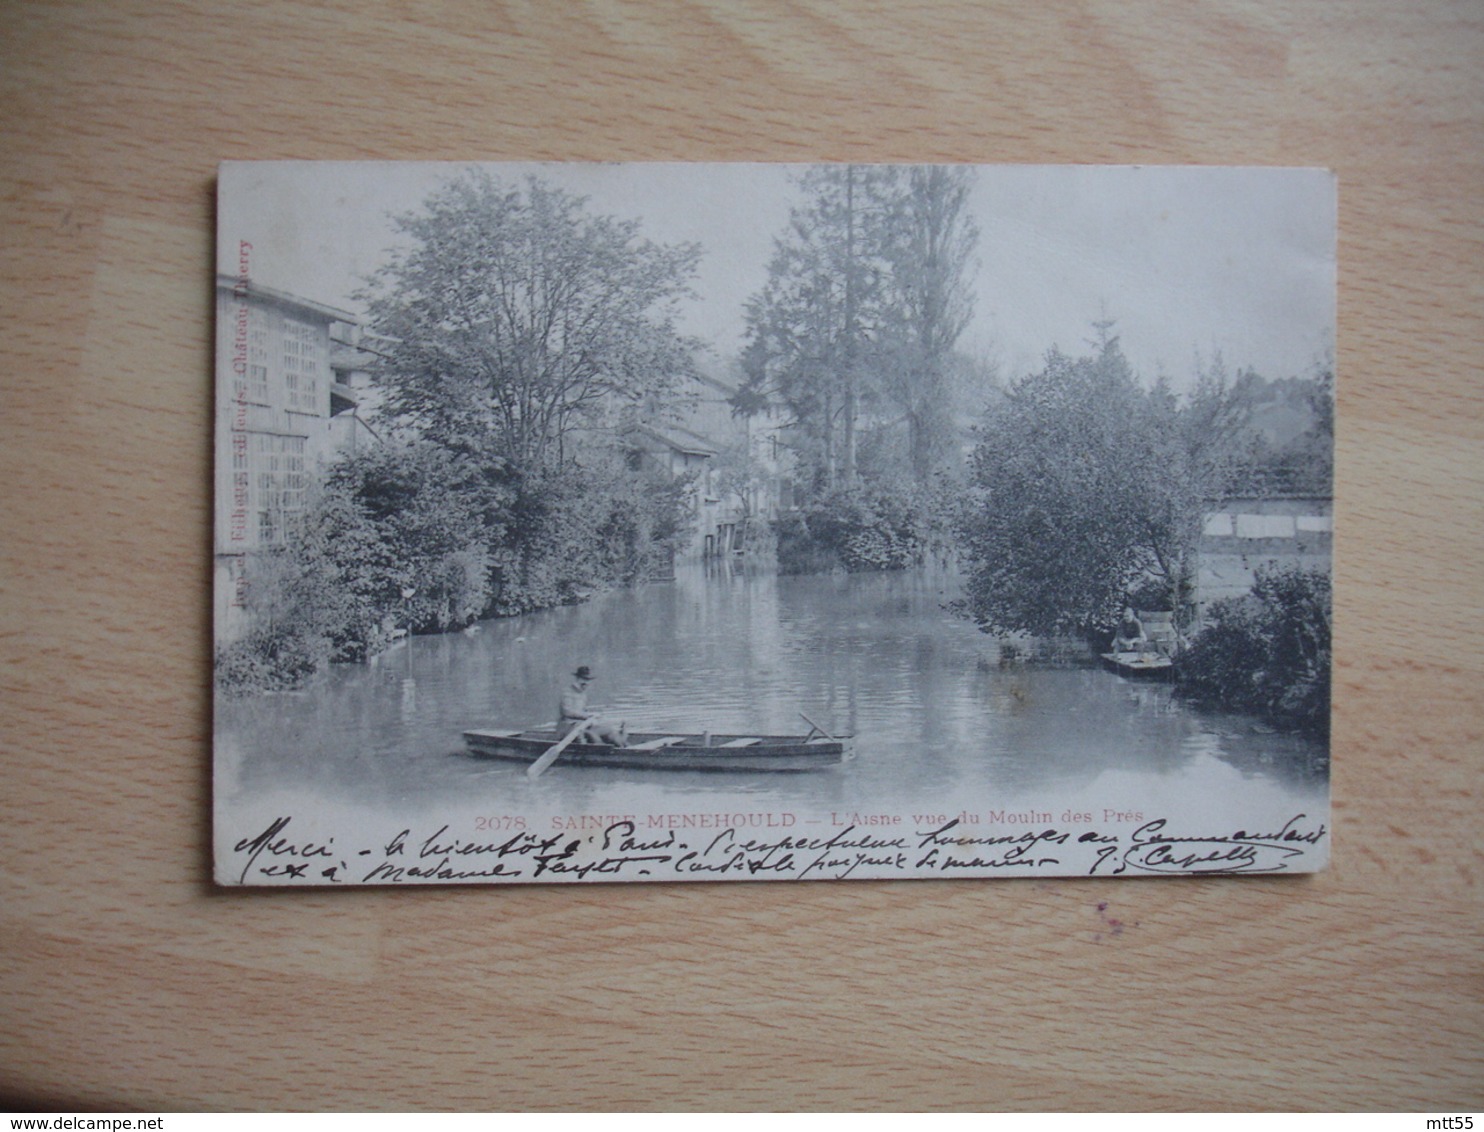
[{"x": 939, "y": 725}]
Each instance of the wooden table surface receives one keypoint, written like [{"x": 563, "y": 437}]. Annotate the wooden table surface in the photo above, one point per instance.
[{"x": 127, "y": 981}]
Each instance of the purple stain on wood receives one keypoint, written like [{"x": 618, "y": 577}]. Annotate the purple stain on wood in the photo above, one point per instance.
[{"x": 1114, "y": 924}]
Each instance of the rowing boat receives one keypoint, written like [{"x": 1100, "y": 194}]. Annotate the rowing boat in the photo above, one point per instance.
[
  {"x": 1147, "y": 666},
  {"x": 662, "y": 751}
]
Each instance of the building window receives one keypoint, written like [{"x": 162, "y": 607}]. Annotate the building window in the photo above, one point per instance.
[
  {"x": 257, "y": 362},
  {"x": 281, "y": 485},
  {"x": 257, "y": 384},
  {"x": 304, "y": 360}
]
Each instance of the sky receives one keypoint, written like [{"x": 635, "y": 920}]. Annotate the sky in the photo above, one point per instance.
[{"x": 1187, "y": 261}]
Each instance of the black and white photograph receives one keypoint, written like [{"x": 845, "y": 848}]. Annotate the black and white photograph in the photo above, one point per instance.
[{"x": 710, "y": 522}]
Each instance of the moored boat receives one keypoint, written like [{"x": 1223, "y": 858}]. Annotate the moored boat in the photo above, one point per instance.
[
  {"x": 664, "y": 751},
  {"x": 1139, "y": 665}
]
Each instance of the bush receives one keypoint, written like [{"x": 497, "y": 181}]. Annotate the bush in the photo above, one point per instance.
[
  {"x": 866, "y": 526},
  {"x": 275, "y": 659},
  {"x": 466, "y": 539},
  {"x": 576, "y": 530},
  {"x": 799, "y": 552},
  {"x": 1268, "y": 652}
]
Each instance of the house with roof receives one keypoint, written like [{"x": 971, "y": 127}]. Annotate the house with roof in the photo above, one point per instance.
[{"x": 733, "y": 462}]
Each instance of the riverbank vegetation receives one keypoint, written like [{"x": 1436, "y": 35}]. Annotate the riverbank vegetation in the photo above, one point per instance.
[
  {"x": 1087, "y": 494},
  {"x": 870, "y": 525},
  {"x": 413, "y": 538},
  {"x": 1268, "y": 653},
  {"x": 516, "y": 334}
]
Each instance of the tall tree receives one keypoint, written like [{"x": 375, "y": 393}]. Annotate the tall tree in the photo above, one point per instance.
[
  {"x": 930, "y": 254},
  {"x": 812, "y": 328},
  {"x": 516, "y": 315}
]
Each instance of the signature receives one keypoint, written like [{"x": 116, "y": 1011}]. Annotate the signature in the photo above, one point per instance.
[{"x": 1152, "y": 849}]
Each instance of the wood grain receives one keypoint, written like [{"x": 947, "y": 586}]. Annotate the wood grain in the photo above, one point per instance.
[{"x": 127, "y": 981}]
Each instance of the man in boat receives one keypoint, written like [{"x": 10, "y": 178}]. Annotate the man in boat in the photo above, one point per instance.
[
  {"x": 1130, "y": 635},
  {"x": 573, "y": 713}
]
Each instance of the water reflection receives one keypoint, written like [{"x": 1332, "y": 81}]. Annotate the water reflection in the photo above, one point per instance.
[{"x": 734, "y": 649}]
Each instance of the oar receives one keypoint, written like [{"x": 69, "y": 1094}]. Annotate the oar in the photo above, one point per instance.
[
  {"x": 538, "y": 768},
  {"x": 816, "y": 727}
]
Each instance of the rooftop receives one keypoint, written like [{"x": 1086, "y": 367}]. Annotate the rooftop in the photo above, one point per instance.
[{"x": 257, "y": 290}]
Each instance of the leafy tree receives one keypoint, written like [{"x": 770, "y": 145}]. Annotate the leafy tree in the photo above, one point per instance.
[
  {"x": 1091, "y": 487},
  {"x": 549, "y": 558},
  {"x": 1239, "y": 451},
  {"x": 1084, "y": 488},
  {"x": 1217, "y": 423},
  {"x": 515, "y": 316},
  {"x": 511, "y": 319},
  {"x": 1312, "y": 455}
]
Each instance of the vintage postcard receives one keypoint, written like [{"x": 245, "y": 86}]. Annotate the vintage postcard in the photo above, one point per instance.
[{"x": 629, "y": 522}]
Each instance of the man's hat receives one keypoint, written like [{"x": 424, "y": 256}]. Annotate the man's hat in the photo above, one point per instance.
[{"x": 583, "y": 672}]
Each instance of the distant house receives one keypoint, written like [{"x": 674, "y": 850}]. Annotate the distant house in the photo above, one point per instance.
[
  {"x": 284, "y": 409},
  {"x": 682, "y": 453},
  {"x": 1239, "y": 535},
  {"x": 735, "y": 462}
]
